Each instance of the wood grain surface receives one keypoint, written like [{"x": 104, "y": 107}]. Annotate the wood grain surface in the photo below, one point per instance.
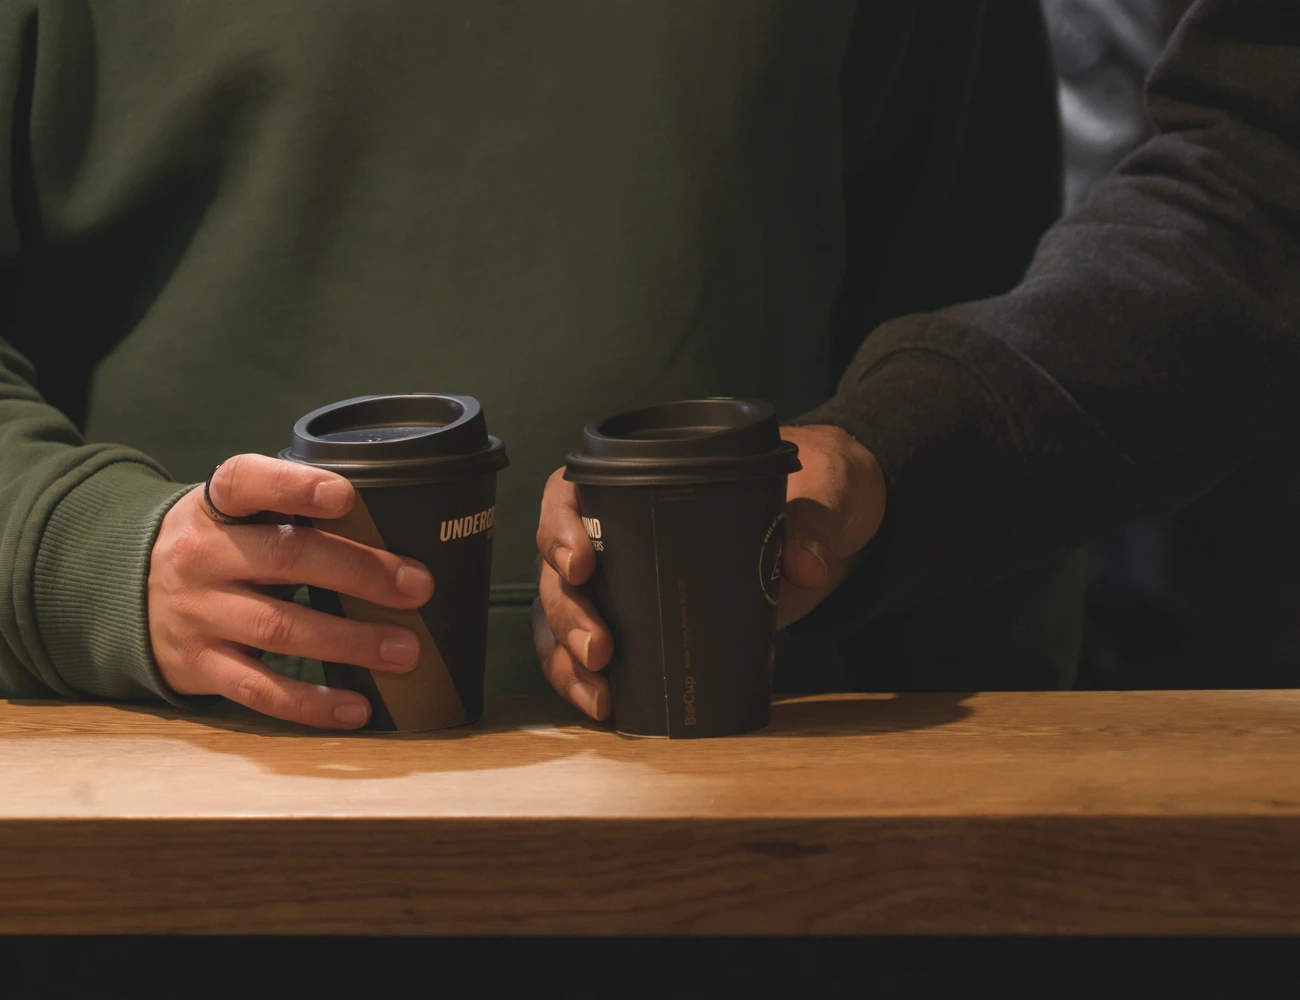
[{"x": 1042, "y": 813}]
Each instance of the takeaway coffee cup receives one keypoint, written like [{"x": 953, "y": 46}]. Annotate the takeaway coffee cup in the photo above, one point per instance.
[
  {"x": 685, "y": 505},
  {"x": 424, "y": 467}
]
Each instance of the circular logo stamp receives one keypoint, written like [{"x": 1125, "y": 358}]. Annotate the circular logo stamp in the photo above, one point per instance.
[{"x": 769, "y": 559}]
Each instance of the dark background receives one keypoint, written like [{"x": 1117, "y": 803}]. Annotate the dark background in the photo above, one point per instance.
[{"x": 486, "y": 967}]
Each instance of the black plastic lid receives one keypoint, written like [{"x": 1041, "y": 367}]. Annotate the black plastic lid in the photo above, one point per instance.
[
  {"x": 394, "y": 440},
  {"x": 688, "y": 442}
]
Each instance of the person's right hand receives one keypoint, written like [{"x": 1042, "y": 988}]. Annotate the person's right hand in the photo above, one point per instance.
[{"x": 211, "y": 609}]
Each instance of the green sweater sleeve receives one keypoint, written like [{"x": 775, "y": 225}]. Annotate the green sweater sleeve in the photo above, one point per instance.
[{"x": 77, "y": 521}]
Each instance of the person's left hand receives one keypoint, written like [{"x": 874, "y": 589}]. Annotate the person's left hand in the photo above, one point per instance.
[{"x": 835, "y": 504}]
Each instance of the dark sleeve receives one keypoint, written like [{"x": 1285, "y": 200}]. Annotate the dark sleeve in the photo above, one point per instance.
[{"x": 1152, "y": 348}]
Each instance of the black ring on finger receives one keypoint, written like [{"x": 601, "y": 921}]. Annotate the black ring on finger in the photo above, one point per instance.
[{"x": 211, "y": 508}]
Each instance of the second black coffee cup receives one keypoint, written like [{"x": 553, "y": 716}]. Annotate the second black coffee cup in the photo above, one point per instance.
[
  {"x": 685, "y": 504},
  {"x": 424, "y": 468}
]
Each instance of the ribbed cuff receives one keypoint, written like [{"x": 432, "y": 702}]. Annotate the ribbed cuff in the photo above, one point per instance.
[{"x": 89, "y": 585}]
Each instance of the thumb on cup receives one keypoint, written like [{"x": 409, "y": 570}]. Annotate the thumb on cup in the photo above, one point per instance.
[{"x": 807, "y": 556}]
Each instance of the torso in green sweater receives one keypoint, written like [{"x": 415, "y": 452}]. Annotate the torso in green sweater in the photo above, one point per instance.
[{"x": 254, "y": 207}]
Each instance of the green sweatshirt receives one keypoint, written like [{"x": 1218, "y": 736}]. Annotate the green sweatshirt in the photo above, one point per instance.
[{"x": 225, "y": 213}]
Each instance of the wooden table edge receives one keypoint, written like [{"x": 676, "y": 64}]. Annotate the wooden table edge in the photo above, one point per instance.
[{"x": 1038, "y": 875}]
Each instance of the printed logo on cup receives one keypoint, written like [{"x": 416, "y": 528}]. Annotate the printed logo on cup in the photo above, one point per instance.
[
  {"x": 592, "y": 527},
  {"x": 467, "y": 526},
  {"x": 769, "y": 559}
]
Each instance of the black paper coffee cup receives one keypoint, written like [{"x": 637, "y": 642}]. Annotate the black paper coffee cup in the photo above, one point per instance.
[
  {"x": 685, "y": 505},
  {"x": 425, "y": 469}
]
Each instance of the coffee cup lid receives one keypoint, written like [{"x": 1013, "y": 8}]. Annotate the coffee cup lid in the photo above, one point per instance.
[
  {"x": 688, "y": 442},
  {"x": 391, "y": 440}
]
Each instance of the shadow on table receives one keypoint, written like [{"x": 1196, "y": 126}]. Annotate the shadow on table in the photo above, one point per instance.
[
  {"x": 527, "y": 733},
  {"x": 536, "y": 733},
  {"x": 524, "y": 732},
  {"x": 831, "y": 716}
]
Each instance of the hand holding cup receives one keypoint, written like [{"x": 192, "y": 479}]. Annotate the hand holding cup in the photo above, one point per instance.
[
  {"x": 835, "y": 505},
  {"x": 212, "y": 601}
]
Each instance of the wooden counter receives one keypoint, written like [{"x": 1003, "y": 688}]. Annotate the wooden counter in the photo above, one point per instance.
[{"x": 1114, "y": 813}]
